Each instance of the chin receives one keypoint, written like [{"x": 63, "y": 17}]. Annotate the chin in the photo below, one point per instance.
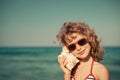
[{"x": 84, "y": 56}]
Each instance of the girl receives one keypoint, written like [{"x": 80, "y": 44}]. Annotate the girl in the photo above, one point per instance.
[{"x": 83, "y": 43}]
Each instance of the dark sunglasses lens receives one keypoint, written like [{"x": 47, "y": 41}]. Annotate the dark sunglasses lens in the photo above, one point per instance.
[
  {"x": 71, "y": 47},
  {"x": 82, "y": 42}
]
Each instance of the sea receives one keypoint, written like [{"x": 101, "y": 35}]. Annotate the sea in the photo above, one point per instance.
[{"x": 40, "y": 63}]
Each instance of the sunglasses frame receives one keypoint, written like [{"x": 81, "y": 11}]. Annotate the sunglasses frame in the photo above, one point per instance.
[{"x": 80, "y": 44}]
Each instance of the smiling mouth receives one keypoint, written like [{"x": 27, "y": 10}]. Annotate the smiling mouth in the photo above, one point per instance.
[{"x": 82, "y": 52}]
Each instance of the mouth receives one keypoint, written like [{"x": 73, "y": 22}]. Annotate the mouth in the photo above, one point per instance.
[{"x": 82, "y": 52}]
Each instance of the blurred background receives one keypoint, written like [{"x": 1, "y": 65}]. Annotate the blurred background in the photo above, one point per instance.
[{"x": 28, "y": 28}]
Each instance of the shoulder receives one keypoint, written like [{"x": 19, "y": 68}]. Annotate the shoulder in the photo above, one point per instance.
[
  {"x": 101, "y": 71},
  {"x": 100, "y": 66}
]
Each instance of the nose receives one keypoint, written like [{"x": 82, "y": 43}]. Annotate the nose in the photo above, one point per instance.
[{"x": 78, "y": 47}]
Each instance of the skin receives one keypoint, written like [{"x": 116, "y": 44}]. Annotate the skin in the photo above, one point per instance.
[{"x": 83, "y": 54}]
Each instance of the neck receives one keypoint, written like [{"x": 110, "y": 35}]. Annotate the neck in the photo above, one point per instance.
[{"x": 86, "y": 60}]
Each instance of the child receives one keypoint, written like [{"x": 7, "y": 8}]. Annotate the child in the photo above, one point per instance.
[{"x": 84, "y": 44}]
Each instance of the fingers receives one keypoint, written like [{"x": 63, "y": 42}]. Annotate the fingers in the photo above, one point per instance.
[{"x": 62, "y": 61}]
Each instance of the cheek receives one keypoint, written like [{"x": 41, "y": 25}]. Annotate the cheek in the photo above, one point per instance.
[
  {"x": 74, "y": 53},
  {"x": 88, "y": 47}
]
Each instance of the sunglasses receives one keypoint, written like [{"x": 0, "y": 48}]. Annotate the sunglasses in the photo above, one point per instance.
[{"x": 80, "y": 42}]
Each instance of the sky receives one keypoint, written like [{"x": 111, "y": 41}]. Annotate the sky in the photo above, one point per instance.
[{"x": 36, "y": 22}]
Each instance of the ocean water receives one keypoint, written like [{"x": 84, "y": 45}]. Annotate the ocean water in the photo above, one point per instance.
[{"x": 40, "y": 63}]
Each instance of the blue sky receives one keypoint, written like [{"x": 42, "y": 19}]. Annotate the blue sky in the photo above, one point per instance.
[{"x": 36, "y": 22}]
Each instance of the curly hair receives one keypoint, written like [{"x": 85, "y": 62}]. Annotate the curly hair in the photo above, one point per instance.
[{"x": 68, "y": 28}]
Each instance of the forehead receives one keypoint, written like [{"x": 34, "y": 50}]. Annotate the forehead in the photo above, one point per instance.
[{"x": 74, "y": 37}]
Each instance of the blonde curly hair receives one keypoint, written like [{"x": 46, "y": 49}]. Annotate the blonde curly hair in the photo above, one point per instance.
[{"x": 81, "y": 28}]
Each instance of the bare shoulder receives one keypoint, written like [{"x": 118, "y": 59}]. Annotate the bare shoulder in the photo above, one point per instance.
[
  {"x": 101, "y": 71},
  {"x": 100, "y": 66}
]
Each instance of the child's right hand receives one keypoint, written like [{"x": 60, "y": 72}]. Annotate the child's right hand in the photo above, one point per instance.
[{"x": 62, "y": 61}]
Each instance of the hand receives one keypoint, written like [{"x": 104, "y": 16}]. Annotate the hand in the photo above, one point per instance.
[{"x": 62, "y": 61}]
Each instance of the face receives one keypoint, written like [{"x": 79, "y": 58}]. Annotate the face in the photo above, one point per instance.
[{"x": 79, "y": 46}]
